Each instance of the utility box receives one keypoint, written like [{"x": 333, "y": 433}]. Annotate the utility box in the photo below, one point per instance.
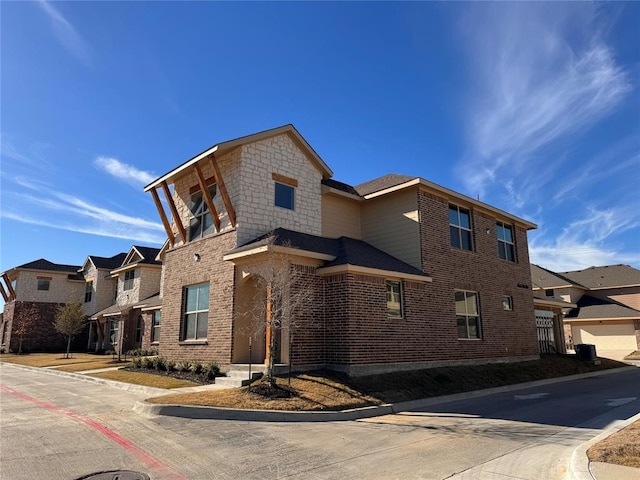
[{"x": 586, "y": 352}]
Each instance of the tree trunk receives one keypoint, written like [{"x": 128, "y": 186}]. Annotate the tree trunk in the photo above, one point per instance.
[
  {"x": 68, "y": 346},
  {"x": 271, "y": 380},
  {"x": 20, "y": 346}
]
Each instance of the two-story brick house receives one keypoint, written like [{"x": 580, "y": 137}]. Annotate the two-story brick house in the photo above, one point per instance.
[
  {"x": 407, "y": 273},
  {"x": 134, "y": 281},
  {"x": 605, "y": 305},
  {"x": 41, "y": 285}
]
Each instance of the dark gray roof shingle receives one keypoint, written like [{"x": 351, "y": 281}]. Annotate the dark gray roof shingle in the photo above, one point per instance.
[
  {"x": 592, "y": 307},
  {"x": 543, "y": 278},
  {"x": 43, "y": 264},
  {"x": 605, "y": 277},
  {"x": 329, "y": 182},
  {"x": 149, "y": 255},
  {"x": 108, "y": 263},
  {"x": 381, "y": 183},
  {"x": 348, "y": 251}
]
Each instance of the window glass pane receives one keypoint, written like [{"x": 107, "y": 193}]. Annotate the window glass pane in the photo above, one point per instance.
[
  {"x": 465, "y": 221},
  {"x": 202, "y": 325},
  {"x": 43, "y": 284},
  {"x": 455, "y": 236},
  {"x": 506, "y": 303},
  {"x": 466, "y": 239},
  {"x": 207, "y": 227},
  {"x": 462, "y": 327},
  {"x": 508, "y": 234},
  {"x": 501, "y": 250},
  {"x": 473, "y": 327},
  {"x": 510, "y": 253},
  {"x": 190, "y": 330},
  {"x": 194, "y": 228},
  {"x": 453, "y": 216},
  {"x": 192, "y": 299},
  {"x": 197, "y": 204},
  {"x": 500, "y": 231},
  {"x": 472, "y": 304},
  {"x": 203, "y": 297},
  {"x": 284, "y": 196}
]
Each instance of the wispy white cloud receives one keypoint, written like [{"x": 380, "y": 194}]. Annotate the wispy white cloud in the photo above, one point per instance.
[
  {"x": 31, "y": 157},
  {"x": 66, "y": 33},
  {"x": 535, "y": 84},
  {"x": 588, "y": 241},
  {"x": 122, "y": 171},
  {"x": 78, "y": 215}
]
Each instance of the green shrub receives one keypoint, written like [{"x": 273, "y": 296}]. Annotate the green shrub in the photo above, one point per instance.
[
  {"x": 161, "y": 364},
  {"x": 184, "y": 366},
  {"x": 211, "y": 370},
  {"x": 149, "y": 362},
  {"x": 136, "y": 362},
  {"x": 171, "y": 365},
  {"x": 196, "y": 367}
]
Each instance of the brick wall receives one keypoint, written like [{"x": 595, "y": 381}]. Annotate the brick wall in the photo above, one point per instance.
[
  {"x": 636, "y": 326},
  {"x": 43, "y": 336},
  {"x": 506, "y": 334},
  {"x": 182, "y": 270}
]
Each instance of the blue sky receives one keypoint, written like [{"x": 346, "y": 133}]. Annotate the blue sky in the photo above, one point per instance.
[{"x": 535, "y": 108}]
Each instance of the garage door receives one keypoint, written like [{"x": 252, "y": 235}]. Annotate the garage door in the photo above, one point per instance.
[{"x": 606, "y": 337}]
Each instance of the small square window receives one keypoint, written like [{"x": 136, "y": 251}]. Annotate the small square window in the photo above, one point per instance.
[
  {"x": 507, "y": 302},
  {"x": 43, "y": 284},
  {"x": 549, "y": 293},
  {"x": 285, "y": 196}
]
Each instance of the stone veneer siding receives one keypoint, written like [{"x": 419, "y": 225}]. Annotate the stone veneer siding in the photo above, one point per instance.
[
  {"x": 505, "y": 334},
  {"x": 181, "y": 270}
]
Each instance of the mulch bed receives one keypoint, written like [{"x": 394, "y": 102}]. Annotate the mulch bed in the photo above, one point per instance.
[{"x": 200, "y": 378}]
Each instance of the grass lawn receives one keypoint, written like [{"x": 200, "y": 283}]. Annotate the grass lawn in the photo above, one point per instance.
[
  {"x": 328, "y": 391},
  {"x": 54, "y": 359},
  {"x": 146, "y": 379},
  {"x": 621, "y": 448}
]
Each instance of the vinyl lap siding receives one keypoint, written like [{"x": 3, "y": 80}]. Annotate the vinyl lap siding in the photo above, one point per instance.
[
  {"x": 391, "y": 224},
  {"x": 340, "y": 217}
]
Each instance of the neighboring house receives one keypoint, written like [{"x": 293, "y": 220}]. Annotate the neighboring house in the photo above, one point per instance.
[
  {"x": 136, "y": 280},
  {"x": 606, "y": 304},
  {"x": 42, "y": 285},
  {"x": 406, "y": 273}
]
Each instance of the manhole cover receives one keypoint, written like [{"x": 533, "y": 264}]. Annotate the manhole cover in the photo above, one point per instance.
[{"x": 116, "y": 475}]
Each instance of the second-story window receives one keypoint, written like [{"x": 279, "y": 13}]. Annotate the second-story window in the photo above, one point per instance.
[
  {"x": 506, "y": 247},
  {"x": 201, "y": 223},
  {"x": 44, "y": 283},
  {"x": 88, "y": 291},
  {"x": 128, "y": 279},
  {"x": 285, "y": 196},
  {"x": 460, "y": 227}
]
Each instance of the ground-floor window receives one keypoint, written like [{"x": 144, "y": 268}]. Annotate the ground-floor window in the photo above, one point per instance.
[
  {"x": 394, "y": 299},
  {"x": 196, "y": 312},
  {"x": 467, "y": 314},
  {"x": 139, "y": 330},
  {"x": 155, "y": 326}
]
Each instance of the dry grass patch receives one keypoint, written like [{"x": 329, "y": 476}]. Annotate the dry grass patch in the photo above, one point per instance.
[
  {"x": 146, "y": 379},
  {"x": 621, "y": 448},
  {"x": 314, "y": 392},
  {"x": 633, "y": 355},
  {"x": 80, "y": 367},
  {"x": 50, "y": 359}
]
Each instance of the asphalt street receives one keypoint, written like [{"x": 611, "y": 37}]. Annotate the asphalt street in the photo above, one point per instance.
[{"x": 63, "y": 428}]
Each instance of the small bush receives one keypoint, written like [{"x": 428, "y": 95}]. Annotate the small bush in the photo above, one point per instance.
[
  {"x": 136, "y": 362},
  {"x": 196, "y": 367},
  {"x": 211, "y": 370},
  {"x": 149, "y": 362},
  {"x": 171, "y": 366},
  {"x": 184, "y": 366}
]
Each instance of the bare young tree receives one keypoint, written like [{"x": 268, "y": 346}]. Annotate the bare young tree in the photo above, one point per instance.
[
  {"x": 287, "y": 292},
  {"x": 24, "y": 322},
  {"x": 69, "y": 321}
]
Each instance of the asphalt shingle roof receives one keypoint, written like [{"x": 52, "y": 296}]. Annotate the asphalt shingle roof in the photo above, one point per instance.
[
  {"x": 605, "y": 277},
  {"x": 382, "y": 183},
  {"x": 43, "y": 264},
  {"x": 329, "y": 182},
  {"x": 108, "y": 263},
  {"x": 543, "y": 278},
  {"x": 149, "y": 255},
  {"x": 348, "y": 251},
  {"x": 592, "y": 307}
]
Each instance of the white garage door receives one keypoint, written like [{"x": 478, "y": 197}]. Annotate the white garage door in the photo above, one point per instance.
[{"x": 606, "y": 337}]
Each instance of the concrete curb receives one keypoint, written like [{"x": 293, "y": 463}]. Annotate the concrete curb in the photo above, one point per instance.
[
  {"x": 579, "y": 464},
  {"x": 103, "y": 381},
  {"x": 216, "y": 413}
]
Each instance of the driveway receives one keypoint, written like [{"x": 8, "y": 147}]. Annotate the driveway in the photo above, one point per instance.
[{"x": 60, "y": 427}]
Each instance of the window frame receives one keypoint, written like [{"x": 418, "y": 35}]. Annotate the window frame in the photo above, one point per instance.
[
  {"x": 508, "y": 306},
  {"x": 128, "y": 282},
  {"x": 200, "y": 313},
  {"x": 156, "y": 320},
  {"x": 549, "y": 292},
  {"x": 507, "y": 246},
  {"x": 400, "y": 302},
  {"x": 114, "y": 327},
  {"x": 459, "y": 228},
  {"x": 88, "y": 291},
  {"x": 466, "y": 316},
  {"x": 290, "y": 191},
  {"x": 199, "y": 214},
  {"x": 42, "y": 283}
]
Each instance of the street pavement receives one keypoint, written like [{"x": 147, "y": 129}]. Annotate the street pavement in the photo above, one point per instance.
[{"x": 60, "y": 427}]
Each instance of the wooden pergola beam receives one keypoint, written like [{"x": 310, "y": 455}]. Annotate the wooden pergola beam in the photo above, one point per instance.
[
  {"x": 174, "y": 211},
  {"x": 223, "y": 190},
  {"x": 163, "y": 217},
  {"x": 4, "y": 293},
  {"x": 12, "y": 292},
  {"x": 207, "y": 197}
]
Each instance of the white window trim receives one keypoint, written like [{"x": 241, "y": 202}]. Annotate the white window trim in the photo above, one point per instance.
[
  {"x": 460, "y": 227},
  {"x": 293, "y": 199},
  {"x": 186, "y": 312},
  {"x": 467, "y": 316}
]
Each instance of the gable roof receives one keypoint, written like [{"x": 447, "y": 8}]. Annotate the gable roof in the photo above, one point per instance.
[
  {"x": 589, "y": 307},
  {"x": 44, "y": 264},
  {"x": 382, "y": 183},
  {"x": 608, "y": 276},
  {"x": 545, "y": 279},
  {"x": 148, "y": 254},
  {"x": 107, "y": 263},
  {"x": 343, "y": 187},
  {"x": 336, "y": 251},
  {"x": 227, "y": 145}
]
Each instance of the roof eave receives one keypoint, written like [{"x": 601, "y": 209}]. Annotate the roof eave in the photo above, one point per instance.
[{"x": 377, "y": 272}]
